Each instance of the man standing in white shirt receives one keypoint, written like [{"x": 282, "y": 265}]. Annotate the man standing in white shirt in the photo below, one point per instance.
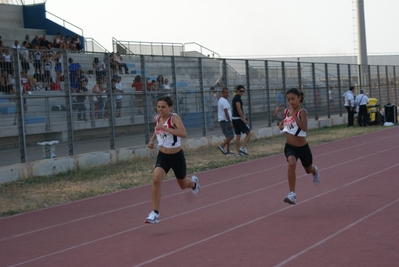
[
  {"x": 350, "y": 105},
  {"x": 225, "y": 122}
]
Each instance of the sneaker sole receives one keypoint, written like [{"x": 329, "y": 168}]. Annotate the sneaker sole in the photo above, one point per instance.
[
  {"x": 245, "y": 153},
  {"x": 287, "y": 200},
  {"x": 150, "y": 222}
]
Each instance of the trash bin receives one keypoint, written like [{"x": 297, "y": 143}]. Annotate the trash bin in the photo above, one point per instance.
[
  {"x": 390, "y": 113},
  {"x": 48, "y": 148}
]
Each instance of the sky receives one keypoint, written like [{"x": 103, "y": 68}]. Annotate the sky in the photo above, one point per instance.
[{"x": 236, "y": 27}]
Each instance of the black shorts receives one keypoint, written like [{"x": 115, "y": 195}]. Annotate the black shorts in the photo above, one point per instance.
[
  {"x": 240, "y": 127},
  {"x": 175, "y": 161},
  {"x": 301, "y": 152}
]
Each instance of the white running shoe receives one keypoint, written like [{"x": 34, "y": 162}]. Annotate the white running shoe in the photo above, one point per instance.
[
  {"x": 222, "y": 149},
  {"x": 152, "y": 218},
  {"x": 316, "y": 177},
  {"x": 197, "y": 185},
  {"x": 243, "y": 150},
  {"x": 290, "y": 198}
]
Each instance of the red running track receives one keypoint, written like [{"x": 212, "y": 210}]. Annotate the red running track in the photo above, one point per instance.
[{"x": 238, "y": 219}]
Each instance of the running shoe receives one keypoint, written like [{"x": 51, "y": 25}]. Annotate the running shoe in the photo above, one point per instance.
[
  {"x": 152, "y": 218},
  {"x": 197, "y": 185},
  {"x": 221, "y": 147},
  {"x": 229, "y": 153},
  {"x": 316, "y": 177},
  {"x": 243, "y": 150},
  {"x": 290, "y": 198},
  {"x": 239, "y": 154}
]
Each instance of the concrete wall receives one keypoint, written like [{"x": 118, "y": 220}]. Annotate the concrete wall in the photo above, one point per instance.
[{"x": 54, "y": 166}]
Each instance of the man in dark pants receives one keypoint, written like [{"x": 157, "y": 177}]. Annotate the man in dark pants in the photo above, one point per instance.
[
  {"x": 362, "y": 117},
  {"x": 349, "y": 104}
]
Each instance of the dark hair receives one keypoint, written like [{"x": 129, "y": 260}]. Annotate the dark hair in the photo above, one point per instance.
[
  {"x": 167, "y": 99},
  {"x": 295, "y": 91},
  {"x": 240, "y": 87},
  {"x": 351, "y": 88}
]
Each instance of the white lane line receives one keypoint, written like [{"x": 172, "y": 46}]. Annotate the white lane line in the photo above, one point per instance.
[
  {"x": 335, "y": 234},
  {"x": 215, "y": 183}
]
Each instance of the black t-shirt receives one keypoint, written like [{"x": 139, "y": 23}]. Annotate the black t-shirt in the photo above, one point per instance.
[{"x": 236, "y": 99}]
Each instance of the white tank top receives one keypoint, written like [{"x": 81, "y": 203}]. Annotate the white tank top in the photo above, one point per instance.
[
  {"x": 167, "y": 139},
  {"x": 290, "y": 125}
]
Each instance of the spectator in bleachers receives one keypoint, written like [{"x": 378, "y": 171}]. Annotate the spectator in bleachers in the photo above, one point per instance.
[
  {"x": 57, "y": 43},
  {"x": 166, "y": 86},
  {"x": 80, "y": 101},
  {"x": 35, "y": 41},
  {"x": 138, "y": 99},
  {"x": 83, "y": 76},
  {"x": 76, "y": 43},
  {"x": 154, "y": 88},
  {"x": 74, "y": 71},
  {"x": 67, "y": 43},
  {"x": 117, "y": 91},
  {"x": 113, "y": 65},
  {"x": 37, "y": 63},
  {"x": 160, "y": 83},
  {"x": 16, "y": 45},
  {"x": 118, "y": 58},
  {"x": 28, "y": 40},
  {"x": 29, "y": 83},
  {"x": 44, "y": 43},
  {"x": 47, "y": 65},
  {"x": 6, "y": 64},
  {"x": 6, "y": 85},
  {"x": 57, "y": 58},
  {"x": 99, "y": 67},
  {"x": 99, "y": 90},
  {"x": 24, "y": 57}
]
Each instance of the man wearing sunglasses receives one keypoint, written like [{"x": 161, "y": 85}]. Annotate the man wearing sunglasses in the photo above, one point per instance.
[{"x": 240, "y": 123}]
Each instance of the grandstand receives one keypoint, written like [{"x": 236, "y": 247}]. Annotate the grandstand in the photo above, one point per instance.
[{"x": 192, "y": 70}]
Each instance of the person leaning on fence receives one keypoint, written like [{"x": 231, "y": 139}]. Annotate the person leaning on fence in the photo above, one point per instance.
[
  {"x": 349, "y": 103},
  {"x": 98, "y": 99},
  {"x": 361, "y": 101},
  {"x": 117, "y": 91},
  {"x": 80, "y": 101},
  {"x": 24, "y": 56},
  {"x": 166, "y": 85},
  {"x": 47, "y": 65},
  {"x": 6, "y": 63},
  {"x": 57, "y": 58}
]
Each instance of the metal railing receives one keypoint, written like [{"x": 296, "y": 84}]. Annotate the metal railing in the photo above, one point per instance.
[
  {"x": 64, "y": 23},
  {"x": 85, "y": 126}
]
